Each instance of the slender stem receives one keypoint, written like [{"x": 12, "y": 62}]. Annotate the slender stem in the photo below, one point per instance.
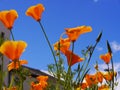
[
  {"x": 48, "y": 43},
  {"x": 58, "y": 73},
  {"x": 79, "y": 72},
  {"x": 12, "y": 35},
  {"x": 12, "y": 79},
  {"x": 21, "y": 84},
  {"x": 71, "y": 54},
  {"x": 113, "y": 74},
  {"x": 68, "y": 81},
  {"x": 91, "y": 53}
]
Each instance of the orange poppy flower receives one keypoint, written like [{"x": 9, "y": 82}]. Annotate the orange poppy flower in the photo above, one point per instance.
[
  {"x": 91, "y": 79},
  {"x": 99, "y": 77},
  {"x": 35, "y": 11},
  {"x": 42, "y": 78},
  {"x": 104, "y": 87},
  {"x": 8, "y": 18},
  {"x": 36, "y": 86},
  {"x": 83, "y": 86},
  {"x": 75, "y": 58},
  {"x": 109, "y": 75},
  {"x": 74, "y": 33},
  {"x": 106, "y": 57},
  {"x": 13, "y": 49},
  {"x": 41, "y": 84},
  {"x": 16, "y": 64},
  {"x": 64, "y": 45}
]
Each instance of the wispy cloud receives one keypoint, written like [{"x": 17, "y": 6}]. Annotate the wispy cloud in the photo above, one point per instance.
[
  {"x": 115, "y": 46},
  {"x": 99, "y": 48},
  {"x": 104, "y": 66}
]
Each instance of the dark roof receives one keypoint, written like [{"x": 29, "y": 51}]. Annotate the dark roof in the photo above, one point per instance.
[{"x": 36, "y": 72}]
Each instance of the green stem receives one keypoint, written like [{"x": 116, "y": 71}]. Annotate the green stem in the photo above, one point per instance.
[
  {"x": 71, "y": 54},
  {"x": 79, "y": 73},
  {"x": 91, "y": 53},
  {"x": 21, "y": 84},
  {"x": 48, "y": 43},
  {"x": 113, "y": 74},
  {"x": 58, "y": 73},
  {"x": 68, "y": 79},
  {"x": 12, "y": 35},
  {"x": 12, "y": 79}
]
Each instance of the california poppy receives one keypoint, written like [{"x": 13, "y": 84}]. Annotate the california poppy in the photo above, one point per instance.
[
  {"x": 99, "y": 76},
  {"x": 64, "y": 45},
  {"x": 13, "y": 49},
  {"x": 8, "y": 18},
  {"x": 72, "y": 58},
  {"x": 91, "y": 79},
  {"x": 16, "y": 64},
  {"x": 106, "y": 57},
  {"x": 109, "y": 75},
  {"x": 36, "y": 86},
  {"x": 35, "y": 11},
  {"x": 42, "y": 78},
  {"x": 82, "y": 86},
  {"x": 41, "y": 83},
  {"x": 74, "y": 33}
]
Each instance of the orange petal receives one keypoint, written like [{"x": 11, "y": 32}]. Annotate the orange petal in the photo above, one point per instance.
[
  {"x": 99, "y": 77},
  {"x": 13, "y": 49},
  {"x": 35, "y": 11},
  {"x": 21, "y": 45},
  {"x": 106, "y": 57},
  {"x": 83, "y": 86},
  {"x": 15, "y": 64},
  {"x": 3, "y": 18},
  {"x": 8, "y": 18},
  {"x": 64, "y": 45},
  {"x": 11, "y": 16},
  {"x": 8, "y": 49},
  {"x": 75, "y": 58},
  {"x": 91, "y": 79},
  {"x": 42, "y": 78},
  {"x": 109, "y": 75},
  {"x": 74, "y": 33}
]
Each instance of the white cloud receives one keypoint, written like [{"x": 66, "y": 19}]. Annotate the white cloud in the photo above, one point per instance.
[
  {"x": 99, "y": 48},
  {"x": 104, "y": 66},
  {"x": 115, "y": 46}
]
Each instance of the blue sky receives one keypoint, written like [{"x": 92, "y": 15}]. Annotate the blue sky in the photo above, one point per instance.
[{"x": 101, "y": 15}]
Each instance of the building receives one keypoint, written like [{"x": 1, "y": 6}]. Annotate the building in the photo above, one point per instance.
[{"x": 6, "y": 33}]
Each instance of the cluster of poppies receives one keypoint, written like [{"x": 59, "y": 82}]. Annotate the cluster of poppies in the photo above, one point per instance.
[
  {"x": 13, "y": 50},
  {"x": 101, "y": 77}
]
